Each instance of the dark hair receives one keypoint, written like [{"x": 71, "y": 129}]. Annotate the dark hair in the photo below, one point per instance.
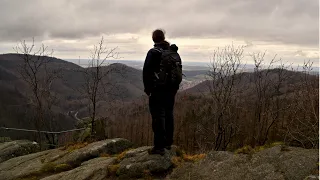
[{"x": 158, "y": 36}]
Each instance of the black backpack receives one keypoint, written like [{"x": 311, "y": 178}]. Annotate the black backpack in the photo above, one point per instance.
[{"x": 170, "y": 72}]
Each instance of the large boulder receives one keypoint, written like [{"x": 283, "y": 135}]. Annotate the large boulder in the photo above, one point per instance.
[
  {"x": 296, "y": 163},
  {"x": 137, "y": 162},
  {"x": 40, "y": 163},
  {"x": 27, "y": 165},
  {"x": 276, "y": 163},
  {"x": 108, "y": 146},
  {"x": 95, "y": 169},
  {"x": 17, "y": 148},
  {"x": 131, "y": 164}
]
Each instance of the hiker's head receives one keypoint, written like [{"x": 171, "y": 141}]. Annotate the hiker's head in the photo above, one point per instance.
[{"x": 158, "y": 36}]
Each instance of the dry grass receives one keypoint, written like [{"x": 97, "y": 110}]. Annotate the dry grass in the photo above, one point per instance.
[
  {"x": 74, "y": 146},
  {"x": 176, "y": 161},
  {"x": 62, "y": 167},
  {"x": 47, "y": 169},
  {"x": 112, "y": 169},
  {"x": 120, "y": 156},
  {"x": 193, "y": 158},
  {"x": 249, "y": 150},
  {"x": 147, "y": 175},
  {"x": 29, "y": 178},
  {"x": 104, "y": 155},
  {"x": 183, "y": 157},
  {"x": 180, "y": 152},
  {"x": 54, "y": 168},
  {"x": 277, "y": 143},
  {"x": 245, "y": 150}
]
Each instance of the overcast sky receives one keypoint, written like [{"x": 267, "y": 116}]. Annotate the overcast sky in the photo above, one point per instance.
[{"x": 289, "y": 28}]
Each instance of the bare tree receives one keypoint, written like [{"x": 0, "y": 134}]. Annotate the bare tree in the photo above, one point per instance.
[
  {"x": 239, "y": 108},
  {"x": 220, "y": 123},
  {"x": 303, "y": 122},
  {"x": 39, "y": 77},
  {"x": 268, "y": 79},
  {"x": 97, "y": 84}
]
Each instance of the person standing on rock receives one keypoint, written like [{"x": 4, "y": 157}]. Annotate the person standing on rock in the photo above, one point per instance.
[{"x": 162, "y": 74}]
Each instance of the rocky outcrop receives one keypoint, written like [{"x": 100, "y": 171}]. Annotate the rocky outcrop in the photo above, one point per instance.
[
  {"x": 109, "y": 146},
  {"x": 138, "y": 162},
  {"x": 49, "y": 161},
  {"x": 17, "y": 148},
  {"x": 111, "y": 159},
  {"x": 135, "y": 163},
  {"x": 276, "y": 163},
  {"x": 95, "y": 169}
]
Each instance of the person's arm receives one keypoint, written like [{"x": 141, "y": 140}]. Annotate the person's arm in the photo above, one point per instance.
[{"x": 148, "y": 73}]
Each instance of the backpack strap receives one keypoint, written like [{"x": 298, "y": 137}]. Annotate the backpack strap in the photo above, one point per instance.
[{"x": 158, "y": 49}]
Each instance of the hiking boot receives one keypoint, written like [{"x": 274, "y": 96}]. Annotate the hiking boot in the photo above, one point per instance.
[{"x": 156, "y": 151}]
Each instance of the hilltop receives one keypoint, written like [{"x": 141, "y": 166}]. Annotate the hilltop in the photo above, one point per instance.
[
  {"x": 15, "y": 110},
  {"x": 261, "y": 107},
  {"x": 125, "y": 85}
]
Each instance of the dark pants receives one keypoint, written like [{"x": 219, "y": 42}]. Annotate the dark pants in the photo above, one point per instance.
[{"x": 161, "y": 108}]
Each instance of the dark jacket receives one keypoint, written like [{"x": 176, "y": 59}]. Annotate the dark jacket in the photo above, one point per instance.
[{"x": 151, "y": 65}]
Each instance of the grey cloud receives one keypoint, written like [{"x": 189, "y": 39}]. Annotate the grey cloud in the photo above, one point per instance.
[
  {"x": 285, "y": 21},
  {"x": 300, "y": 53}
]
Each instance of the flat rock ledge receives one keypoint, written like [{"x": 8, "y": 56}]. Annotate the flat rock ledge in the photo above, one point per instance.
[
  {"x": 114, "y": 160},
  {"x": 276, "y": 163},
  {"x": 138, "y": 162},
  {"x": 17, "y": 148},
  {"x": 131, "y": 164},
  {"x": 57, "y": 160},
  {"x": 95, "y": 169}
]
